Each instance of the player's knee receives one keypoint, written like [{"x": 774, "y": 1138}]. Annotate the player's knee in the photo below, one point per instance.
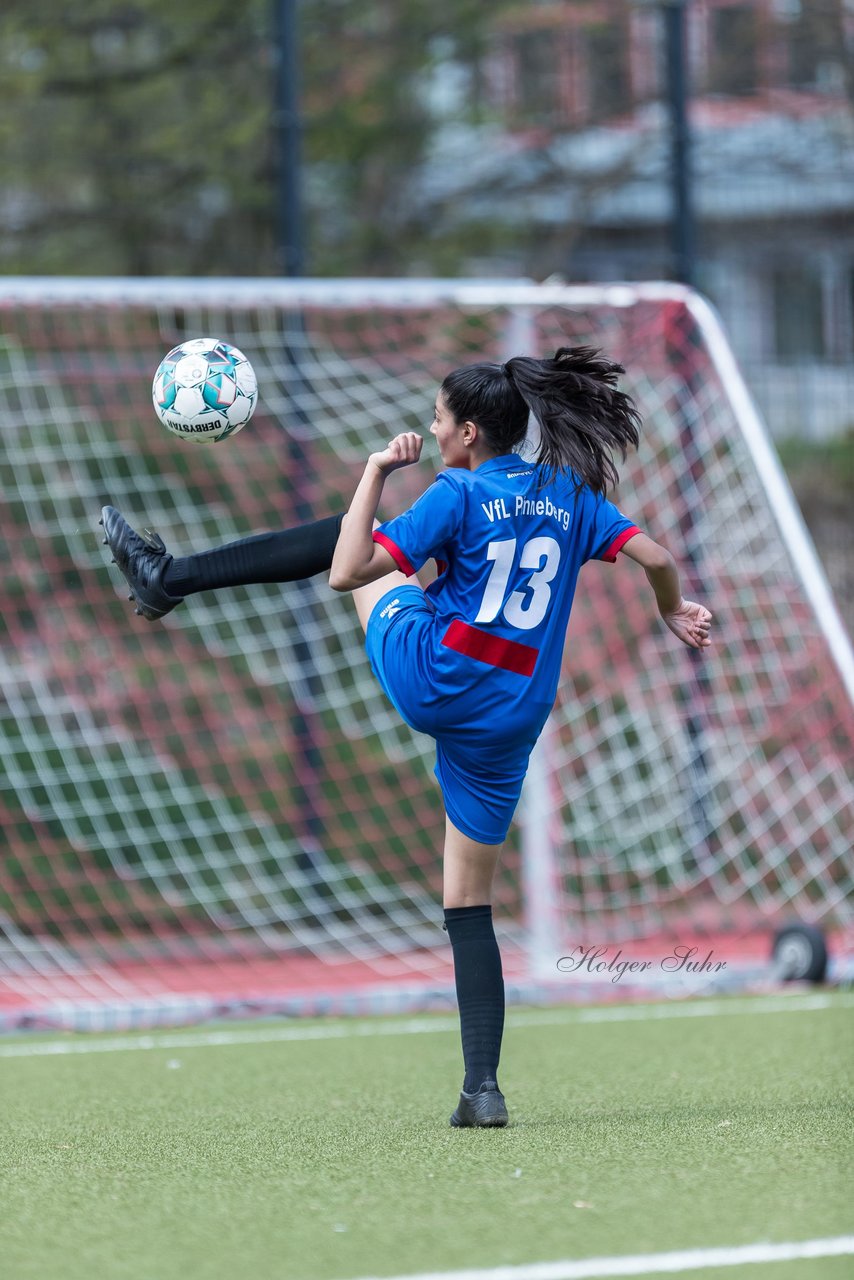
[{"x": 472, "y": 898}]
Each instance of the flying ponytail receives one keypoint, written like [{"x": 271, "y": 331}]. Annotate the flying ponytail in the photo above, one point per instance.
[{"x": 582, "y": 415}]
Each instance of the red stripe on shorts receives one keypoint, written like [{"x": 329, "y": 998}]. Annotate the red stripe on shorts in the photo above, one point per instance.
[{"x": 474, "y": 643}]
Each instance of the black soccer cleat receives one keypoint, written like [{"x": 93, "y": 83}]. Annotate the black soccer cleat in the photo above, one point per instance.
[
  {"x": 142, "y": 559},
  {"x": 485, "y": 1109}
]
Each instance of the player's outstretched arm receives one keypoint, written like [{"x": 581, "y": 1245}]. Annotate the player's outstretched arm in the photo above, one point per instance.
[
  {"x": 359, "y": 560},
  {"x": 690, "y": 621}
]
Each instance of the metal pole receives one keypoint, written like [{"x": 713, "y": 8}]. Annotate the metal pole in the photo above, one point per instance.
[
  {"x": 683, "y": 235},
  {"x": 290, "y": 245},
  {"x": 685, "y": 355},
  {"x": 288, "y": 138}
]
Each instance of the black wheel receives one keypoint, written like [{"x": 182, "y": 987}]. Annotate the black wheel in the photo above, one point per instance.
[{"x": 799, "y": 953}]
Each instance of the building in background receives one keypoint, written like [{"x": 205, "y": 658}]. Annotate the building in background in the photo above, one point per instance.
[{"x": 574, "y": 161}]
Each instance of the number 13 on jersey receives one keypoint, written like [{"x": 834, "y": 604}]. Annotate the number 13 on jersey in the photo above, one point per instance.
[{"x": 524, "y": 608}]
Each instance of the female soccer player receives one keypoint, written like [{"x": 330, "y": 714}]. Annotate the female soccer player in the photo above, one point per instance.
[{"x": 475, "y": 659}]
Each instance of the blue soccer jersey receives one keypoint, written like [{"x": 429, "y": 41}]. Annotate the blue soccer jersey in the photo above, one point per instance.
[{"x": 476, "y": 663}]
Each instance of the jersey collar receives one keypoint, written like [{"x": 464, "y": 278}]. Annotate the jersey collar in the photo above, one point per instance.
[{"x": 504, "y": 462}]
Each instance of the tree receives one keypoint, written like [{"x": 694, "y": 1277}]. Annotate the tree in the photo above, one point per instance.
[{"x": 134, "y": 137}]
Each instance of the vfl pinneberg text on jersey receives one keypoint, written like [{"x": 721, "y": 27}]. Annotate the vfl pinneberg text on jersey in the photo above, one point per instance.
[{"x": 497, "y": 510}]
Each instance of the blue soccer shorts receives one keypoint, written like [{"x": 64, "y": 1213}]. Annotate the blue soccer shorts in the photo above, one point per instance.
[{"x": 481, "y": 780}]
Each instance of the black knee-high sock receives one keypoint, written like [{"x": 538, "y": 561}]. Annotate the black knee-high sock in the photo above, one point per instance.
[
  {"x": 480, "y": 991},
  {"x": 285, "y": 556}
]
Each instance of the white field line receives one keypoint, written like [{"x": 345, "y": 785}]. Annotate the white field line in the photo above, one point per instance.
[
  {"x": 346, "y": 1030},
  {"x": 650, "y": 1264}
]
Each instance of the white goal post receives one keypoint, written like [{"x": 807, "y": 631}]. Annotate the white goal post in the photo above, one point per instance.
[{"x": 222, "y": 811}]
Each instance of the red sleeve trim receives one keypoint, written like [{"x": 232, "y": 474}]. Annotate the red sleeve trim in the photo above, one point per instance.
[
  {"x": 395, "y": 552},
  {"x": 610, "y": 554}
]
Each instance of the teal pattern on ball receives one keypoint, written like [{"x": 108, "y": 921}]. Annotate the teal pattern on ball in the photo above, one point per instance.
[{"x": 204, "y": 389}]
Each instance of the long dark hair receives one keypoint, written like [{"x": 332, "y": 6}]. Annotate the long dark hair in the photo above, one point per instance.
[{"x": 582, "y": 415}]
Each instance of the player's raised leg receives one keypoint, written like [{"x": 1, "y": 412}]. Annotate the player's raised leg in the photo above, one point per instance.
[
  {"x": 469, "y": 870},
  {"x": 142, "y": 559},
  {"x": 367, "y": 597},
  {"x": 158, "y": 581}
]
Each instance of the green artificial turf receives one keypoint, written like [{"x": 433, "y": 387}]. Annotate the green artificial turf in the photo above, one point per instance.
[{"x": 331, "y": 1158}]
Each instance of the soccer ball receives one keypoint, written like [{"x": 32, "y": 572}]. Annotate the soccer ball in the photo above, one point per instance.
[{"x": 205, "y": 389}]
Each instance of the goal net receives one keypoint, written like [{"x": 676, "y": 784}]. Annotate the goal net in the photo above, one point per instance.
[{"x": 221, "y": 812}]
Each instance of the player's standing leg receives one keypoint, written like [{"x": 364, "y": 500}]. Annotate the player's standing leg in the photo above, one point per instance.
[{"x": 469, "y": 869}]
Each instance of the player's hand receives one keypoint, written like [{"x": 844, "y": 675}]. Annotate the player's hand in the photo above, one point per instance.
[
  {"x": 402, "y": 451},
  {"x": 691, "y": 622}
]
